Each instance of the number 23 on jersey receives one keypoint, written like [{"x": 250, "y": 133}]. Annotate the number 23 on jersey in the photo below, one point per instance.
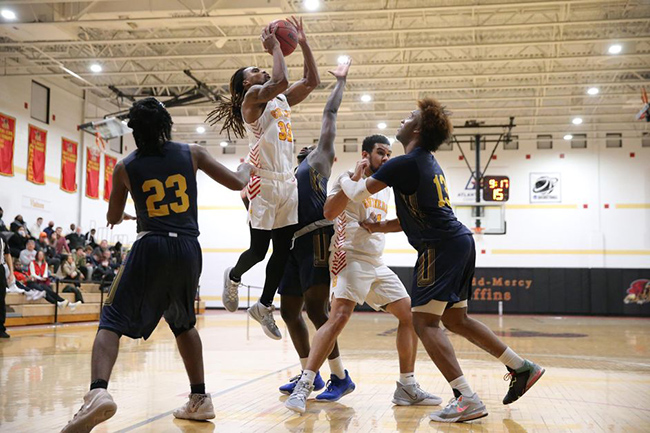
[{"x": 154, "y": 209}]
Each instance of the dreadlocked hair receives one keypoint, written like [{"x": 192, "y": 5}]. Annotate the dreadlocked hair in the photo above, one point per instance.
[
  {"x": 228, "y": 110},
  {"x": 435, "y": 125},
  {"x": 151, "y": 124}
]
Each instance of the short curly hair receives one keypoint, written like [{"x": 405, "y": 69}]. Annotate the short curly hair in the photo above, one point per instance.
[{"x": 435, "y": 125}]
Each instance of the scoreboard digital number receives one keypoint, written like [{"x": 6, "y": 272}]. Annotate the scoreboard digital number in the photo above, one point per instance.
[{"x": 496, "y": 188}]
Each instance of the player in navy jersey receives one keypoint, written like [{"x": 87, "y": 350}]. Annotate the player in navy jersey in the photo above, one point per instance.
[
  {"x": 161, "y": 273},
  {"x": 444, "y": 270},
  {"x": 306, "y": 279}
]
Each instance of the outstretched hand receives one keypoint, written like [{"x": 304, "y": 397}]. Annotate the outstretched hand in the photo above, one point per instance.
[
  {"x": 269, "y": 41},
  {"x": 361, "y": 167},
  {"x": 302, "y": 38},
  {"x": 341, "y": 71}
]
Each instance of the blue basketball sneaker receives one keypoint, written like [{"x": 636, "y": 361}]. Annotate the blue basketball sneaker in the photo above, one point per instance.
[
  {"x": 288, "y": 388},
  {"x": 337, "y": 388}
]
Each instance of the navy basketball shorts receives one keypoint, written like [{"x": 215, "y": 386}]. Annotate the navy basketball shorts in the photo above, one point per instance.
[
  {"x": 444, "y": 271},
  {"x": 159, "y": 277},
  {"x": 308, "y": 263}
]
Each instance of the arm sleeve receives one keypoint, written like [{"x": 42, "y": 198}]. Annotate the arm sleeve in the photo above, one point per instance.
[
  {"x": 356, "y": 191},
  {"x": 336, "y": 187},
  {"x": 400, "y": 173}
]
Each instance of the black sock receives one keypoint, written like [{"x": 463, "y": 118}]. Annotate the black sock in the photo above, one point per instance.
[
  {"x": 99, "y": 383},
  {"x": 199, "y": 388},
  {"x": 235, "y": 279}
]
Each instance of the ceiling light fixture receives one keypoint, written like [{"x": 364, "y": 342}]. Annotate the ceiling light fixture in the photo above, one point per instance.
[
  {"x": 8, "y": 14},
  {"x": 366, "y": 98},
  {"x": 223, "y": 144},
  {"x": 381, "y": 125},
  {"x": 200, "y": 129},
  {"x": 343, "y": 59},
  {"x": 615, "y": 49},
  {"x": 577, "y": 120},
  {"x": 568, "y": 137},
  {"x": 593, "y": 91},
  {"x": 95, "y": 67},
  {"x": 311, "y": 5}
]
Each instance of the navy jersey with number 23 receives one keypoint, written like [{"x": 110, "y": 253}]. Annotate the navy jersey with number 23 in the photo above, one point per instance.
[{"x": 421, "y": 197}]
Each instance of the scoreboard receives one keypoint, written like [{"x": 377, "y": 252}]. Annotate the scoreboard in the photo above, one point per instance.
[{"x": 496, "y": 188}]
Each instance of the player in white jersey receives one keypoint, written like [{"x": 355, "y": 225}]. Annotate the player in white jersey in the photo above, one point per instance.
[
  {"x": 260, "y": 107},
  {"x": 358, "y": 274}
]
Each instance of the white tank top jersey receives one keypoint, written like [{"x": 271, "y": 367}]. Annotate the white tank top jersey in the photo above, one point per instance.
[
  {"x": 351, "y": 237},
  {"x": 270, "y": 137}
]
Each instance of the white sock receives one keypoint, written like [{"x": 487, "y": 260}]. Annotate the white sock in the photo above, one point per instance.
[
  {"x": 303, "y": 363},
  {"x": 336, "y": 367},
  {"x": 511, "y": 359},
  {"x": 460, "y": 383},
  {"x": 308, "y": 376},
  {"x": 407, "y": 378}
]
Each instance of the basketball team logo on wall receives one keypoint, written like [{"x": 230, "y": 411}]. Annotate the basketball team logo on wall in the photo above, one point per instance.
[
  {"x": 638, "y": 292},
  {"x": 545, "y": 188}
]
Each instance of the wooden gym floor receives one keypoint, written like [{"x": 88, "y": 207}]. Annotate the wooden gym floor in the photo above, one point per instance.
[{"x": 597, "y": 378}]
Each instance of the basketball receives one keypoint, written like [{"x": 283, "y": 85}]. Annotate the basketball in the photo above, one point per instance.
[{"x": 287, "y": 36}]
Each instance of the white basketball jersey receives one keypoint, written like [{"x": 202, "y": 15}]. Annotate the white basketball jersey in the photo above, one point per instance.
[
  {"x": 270, "y": 137},
  {"x": 348, "y": 235}
]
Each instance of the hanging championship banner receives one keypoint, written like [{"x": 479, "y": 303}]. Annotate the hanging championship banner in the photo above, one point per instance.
[
  {"x": 68, "y": 165},
  {"x": 36, "y": 155},
  {"x": 109, "y": 166},
  {"x": 92, "y": 173},
  {"x": 7, "y": 137}
]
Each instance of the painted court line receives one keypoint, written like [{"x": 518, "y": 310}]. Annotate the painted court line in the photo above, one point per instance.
[{"x": 214, "y": 394}]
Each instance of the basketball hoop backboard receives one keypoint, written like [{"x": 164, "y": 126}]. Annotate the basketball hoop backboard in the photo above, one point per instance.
[{"x": 482, "y": 218}]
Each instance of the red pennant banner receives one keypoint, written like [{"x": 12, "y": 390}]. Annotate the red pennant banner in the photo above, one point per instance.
[
  {"x": 36, "y": 155},
  {"x": 68, "y": 165},
  {"x": 92, "y": 173},
  {"x": 7, "y": 139},
  {"x": 109, "y": 166}
]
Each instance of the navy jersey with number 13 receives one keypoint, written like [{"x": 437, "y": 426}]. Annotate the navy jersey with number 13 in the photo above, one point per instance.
[{"x": 421, "y": 197}]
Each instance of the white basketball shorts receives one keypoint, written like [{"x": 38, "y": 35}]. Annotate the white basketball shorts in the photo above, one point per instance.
[{"x": 273, "y": 200}]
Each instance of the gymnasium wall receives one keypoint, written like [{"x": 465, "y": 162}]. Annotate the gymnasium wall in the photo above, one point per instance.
[{"x": 601, "y": 221}]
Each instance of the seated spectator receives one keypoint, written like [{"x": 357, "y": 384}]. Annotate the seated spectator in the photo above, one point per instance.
[
  {"x": 104, "y": 271},
  {"x": 70, "y": 272},
  {"x": 81, "y": 263},
  {"x": 36, "y": 229},
  {"x": 72, "y": 229},
  {"x": 17, "y": 223},
  {"x": 21, "y": 278},
  {"x": 3, "y": 227},
  {"x": 18, "y": 241},
  {"x": 49, "y": 229},
  {"x": 39, "y": 279},
  {"x": 50, "y": 253},
  {"x": 59, "y": 232},
  {"x": 90, "y": 238},
  {"x": 116, "y": 252},
  {"x": 28, "y": 255},
  {"x": 61, "y": 246},
  {"x": 75, "y": 239}
]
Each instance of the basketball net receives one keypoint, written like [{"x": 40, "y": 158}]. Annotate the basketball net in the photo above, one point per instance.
[{"x": 100, "y": 143}]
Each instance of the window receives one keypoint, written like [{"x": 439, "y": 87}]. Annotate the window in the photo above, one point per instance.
[
  {"x": 645, "y": 139},
  {"x": 579, "y": 141},
  {"x": 544, "y": 141},
  {"x": 472, "y": 143},
  {"x": 512, "y": 143},
  {"x": 350, "y": 145},
  {"x": 40, "y": 102},
  {"x": 613, "y": 139},
  {"x": 229, "y": 150}
]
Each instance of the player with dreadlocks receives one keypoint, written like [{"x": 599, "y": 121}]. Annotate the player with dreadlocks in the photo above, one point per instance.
[
  {"x": 260, "y": 106},
  {"x": 161, "y": 273}
]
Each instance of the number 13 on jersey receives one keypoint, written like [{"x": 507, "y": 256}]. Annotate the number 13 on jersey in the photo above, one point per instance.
[{"x": 443, "y": 192}]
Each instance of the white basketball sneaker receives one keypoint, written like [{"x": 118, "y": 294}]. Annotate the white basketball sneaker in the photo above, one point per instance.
[
  {"x": 230, "y": 295},
  {"x": 98, "y": 407},
  {"x": 198, "y": 408},
  {"x": 264, "y": 315}
]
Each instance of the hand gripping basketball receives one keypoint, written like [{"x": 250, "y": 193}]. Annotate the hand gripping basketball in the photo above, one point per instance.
[
  {"x": 287, "y": 35},
  {"x": 269, "y": 41}
]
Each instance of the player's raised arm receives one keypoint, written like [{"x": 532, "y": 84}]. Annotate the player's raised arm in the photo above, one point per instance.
[
  {"x": 218, "y": 172},
  {"x": 310, "y": 80},
  {"x": 260, "y": 94},
  {"x": 322, "y": 157}
]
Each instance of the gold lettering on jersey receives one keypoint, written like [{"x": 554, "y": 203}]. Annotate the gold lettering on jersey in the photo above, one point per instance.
[
  {"x": 375, "y": 204},
  {"x": 278, "y": 112}
]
